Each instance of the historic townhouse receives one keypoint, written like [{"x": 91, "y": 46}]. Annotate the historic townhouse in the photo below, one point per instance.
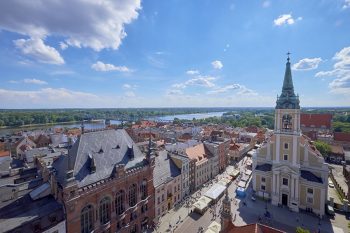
[
  {"x": 287, "y": 168},
  {"x": 106, "y": 184},
  {"x": 206, "y": 164},
  {"x": 167, "y": 184}
]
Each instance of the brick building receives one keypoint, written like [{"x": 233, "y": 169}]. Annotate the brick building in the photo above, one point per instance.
[{"x": 106, "y": 184}]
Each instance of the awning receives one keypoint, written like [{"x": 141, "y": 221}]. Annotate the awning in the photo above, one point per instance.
[
  {"x": 214, "y": 227},
  {"x": 215, "y": 191},
  {"x": 242, "y": 184},
  {"x": 202, "y": 203}
]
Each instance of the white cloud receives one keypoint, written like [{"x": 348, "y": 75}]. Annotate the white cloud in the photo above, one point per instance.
[
  {"x": 13, "y": 81},
  {"x": 346, "y": 4},
  {"x": 204, "y": 81},
  {"x": 130, "y": 94},
  {"x": 217, "y": 64},
  {"x": 192, "y": 72},
  {"x": 35, "y": 48},
  {"x": 129, "y": 86},
  {"x": 174, "y": 92},
  {"x": 100, "y": 66},
  {"x": 307, "y": 64},
  {"x": 266, "y": 4},
  {"x": 47, "y": 98},
  {"x": 63, "y": 45},
  {"x": 34, "y": 81},
  {"x": 285, "y": 19},
  {"x": 93, "y": 24},
  {"x": 341, "y": 72},
  {"x": 241, "y": 90}
]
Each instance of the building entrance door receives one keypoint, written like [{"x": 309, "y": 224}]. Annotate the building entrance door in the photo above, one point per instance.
[{"x": 284, "y": 199}]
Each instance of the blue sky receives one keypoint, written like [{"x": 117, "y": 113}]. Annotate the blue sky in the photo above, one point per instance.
[{"x": 174, "y": 53}]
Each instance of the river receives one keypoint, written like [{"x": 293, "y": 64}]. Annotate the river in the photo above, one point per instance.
[{"x": 100, "y": 125}]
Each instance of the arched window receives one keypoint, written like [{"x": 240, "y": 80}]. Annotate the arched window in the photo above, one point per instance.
[
  {"x": 87, "y": 219},
  {"x": 143, "y": 189},
  {"x": 287, "y": 122},
  {"x": 132, "y": 195},
  {"x": 119, "y": 202},
  {"x": 105, "y": 207}
]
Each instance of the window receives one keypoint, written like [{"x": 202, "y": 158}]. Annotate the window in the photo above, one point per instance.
[
  {"x": 132, "y": 195},
  {"x": 285, "y": 181},
  {"x": 263, "y": 187},
  {"x": 310, "y": 191},
  {"x": 158, "y": 200},
  {"x": 133, "y": 229},
  {"x": 158, "y": 211},
  {"x": 287, "y": 122},
  {"x": 119, "y": 202},
  {"x": 143, "y": 190},
  {"x": 310, "y": 200},
  {"x": 286, "y": 146},
  {"x": 87, "y": 219},
  {"x": 105, "y": 205},
  {"x": 162, "y": 197},
  {"x": 285, "y": 157},
  {"x": 263, "y": 179}
]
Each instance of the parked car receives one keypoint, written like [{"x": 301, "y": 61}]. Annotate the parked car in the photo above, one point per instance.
[
  {"x": 330, "y": 184},
  {"x": 330, "y": 210}
]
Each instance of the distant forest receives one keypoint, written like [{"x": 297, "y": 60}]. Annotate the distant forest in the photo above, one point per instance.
[{"x": 237, "y": 117}]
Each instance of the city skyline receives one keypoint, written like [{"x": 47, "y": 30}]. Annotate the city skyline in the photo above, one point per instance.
[{"x": 173, "y": 54}]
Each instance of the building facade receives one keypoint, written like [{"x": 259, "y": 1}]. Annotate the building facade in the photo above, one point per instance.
[
  {"x": 167, "y": 184},
  {"x": 203, "y": 164},
  {"x": 106, "y": 184},
  {"x": 287, "y": 168},
  {"x": 183, "y": 163}
]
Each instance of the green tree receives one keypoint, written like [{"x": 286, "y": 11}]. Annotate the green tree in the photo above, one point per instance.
[
  {"x": 323, "y": 147},
  {"x": 301, "y": 230}
]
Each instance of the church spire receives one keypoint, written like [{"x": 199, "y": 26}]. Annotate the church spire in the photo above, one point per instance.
[{"x": 287, "y": 99}]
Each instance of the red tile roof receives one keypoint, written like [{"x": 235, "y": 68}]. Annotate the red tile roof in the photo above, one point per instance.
[
  {"x": 342, "y": 136},
  {"x": 316, "y": 120},
  {"x": 4, "y": 153},
  {"x": 252, "y": 228}
]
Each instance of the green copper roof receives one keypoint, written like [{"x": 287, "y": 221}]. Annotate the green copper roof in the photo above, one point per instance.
[{"x": 288, "y": 99}]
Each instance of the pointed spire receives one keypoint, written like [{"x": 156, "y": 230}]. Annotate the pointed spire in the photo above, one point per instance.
[{"x": 287, "y": 99}]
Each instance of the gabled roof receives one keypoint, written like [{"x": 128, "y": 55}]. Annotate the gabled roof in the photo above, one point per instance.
[
  {"x": 107, "y": 148},
  {"x": 165, "y": 169},
  {"x": 342, "y": 136},
  {"x": 198, "y": 152},
  {"x": 316, "y": 120}
]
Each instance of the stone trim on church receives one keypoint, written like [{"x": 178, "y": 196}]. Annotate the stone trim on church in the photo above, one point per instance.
[{"x": 288, "y": 169}]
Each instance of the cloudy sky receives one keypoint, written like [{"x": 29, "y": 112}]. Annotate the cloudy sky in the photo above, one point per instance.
[{"x": 174, "y": 53}]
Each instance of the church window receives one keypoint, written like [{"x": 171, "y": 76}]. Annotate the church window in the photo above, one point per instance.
[
  {"x": 132, "y": 195},
  {"x": 310, "y": 200},
  {"x": 310, "y": 191},
  {"x": 105, "y": 207},
  {"x": 286, "y": 146},
  {"x": 287, "y": 122},
  {"x": 285, "y": 157},
  {"x": 143, "y": 190},
  {"x": 119, "y": 202},
  {"x": 87, "y": 219},
  {"x": 285, "y": 181}
]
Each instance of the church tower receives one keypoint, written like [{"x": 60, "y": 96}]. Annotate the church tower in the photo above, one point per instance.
[
  {"x": 226, "y": 215},
  {"x": 287, "y": 168}
]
